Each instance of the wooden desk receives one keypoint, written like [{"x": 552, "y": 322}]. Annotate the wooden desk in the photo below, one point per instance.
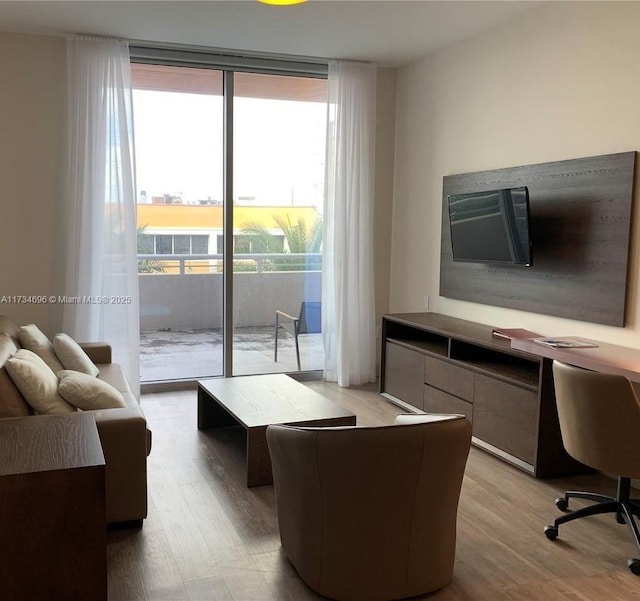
[
  {"x": 53, "y": 520},
  {"x": 606, "y": 358}
]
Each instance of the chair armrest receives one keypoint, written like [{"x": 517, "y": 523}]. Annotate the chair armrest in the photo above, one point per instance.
[
  {"x": 98, "y": 352},
  {"x": 286, "y": 315},
  {"x": 424, "y": 418}
]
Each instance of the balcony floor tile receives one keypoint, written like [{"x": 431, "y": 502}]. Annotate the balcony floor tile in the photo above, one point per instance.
[{"x": 190, "y": 354}]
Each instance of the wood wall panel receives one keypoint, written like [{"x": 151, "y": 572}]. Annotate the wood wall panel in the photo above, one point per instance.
[{"x": 580, "y": 224}]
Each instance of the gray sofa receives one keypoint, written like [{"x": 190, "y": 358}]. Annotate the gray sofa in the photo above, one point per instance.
[{"x": 125, "y": 438}]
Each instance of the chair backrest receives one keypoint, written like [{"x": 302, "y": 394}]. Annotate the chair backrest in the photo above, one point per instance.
[
  {"x": 599, "y": 418},
  {"x": 310, "y": 321},
  {"x": 370, "y": 513}
]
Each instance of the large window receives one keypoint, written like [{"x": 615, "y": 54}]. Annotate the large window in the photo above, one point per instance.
[{"x": 191, "y": 124}]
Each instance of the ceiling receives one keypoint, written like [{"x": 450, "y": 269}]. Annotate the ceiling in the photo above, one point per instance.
[{"x": 387, "y": 32}]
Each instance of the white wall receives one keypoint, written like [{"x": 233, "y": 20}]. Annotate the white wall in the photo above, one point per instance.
[
  {"x": 559, "y": 82},
  {"x": 32, "y": 128}
]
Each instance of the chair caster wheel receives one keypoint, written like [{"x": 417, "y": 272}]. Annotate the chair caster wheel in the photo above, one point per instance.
[
  {"x": 620, "y": 518},
  {"x": 562, "y": 504},
  {"x": 551, "y": 532},
  {"x": 634, "y": 566}
]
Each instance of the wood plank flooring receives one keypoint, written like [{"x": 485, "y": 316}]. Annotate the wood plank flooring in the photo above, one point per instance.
[{"x": 210, "y": 538}]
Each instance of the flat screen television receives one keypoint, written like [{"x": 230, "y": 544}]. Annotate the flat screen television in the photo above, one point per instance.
[{"x": 491, "y": 226}]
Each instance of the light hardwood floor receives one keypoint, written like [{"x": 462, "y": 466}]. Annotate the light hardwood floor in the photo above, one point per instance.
[{"x": 210, "y": 538}]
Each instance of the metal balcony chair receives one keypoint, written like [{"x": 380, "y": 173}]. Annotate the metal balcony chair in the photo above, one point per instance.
[{"x": 308, "y": 322}]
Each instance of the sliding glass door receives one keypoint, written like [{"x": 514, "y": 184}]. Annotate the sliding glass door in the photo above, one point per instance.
[
  {"x": 178, "y": 116},
  {"x": 279, "y": 143},
  {"x": 228, "y": 161}
]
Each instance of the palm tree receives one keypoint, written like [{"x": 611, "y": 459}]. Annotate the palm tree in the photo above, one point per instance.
[{"x": 301, "y": 238}]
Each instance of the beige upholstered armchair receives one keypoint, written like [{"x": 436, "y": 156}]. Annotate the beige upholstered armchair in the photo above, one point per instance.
[{"x": 369, "y": 513}]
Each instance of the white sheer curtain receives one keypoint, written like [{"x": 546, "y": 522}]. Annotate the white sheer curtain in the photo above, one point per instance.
[
  {"x": 348, "y": 315},
  {"x": 101, "y": 262}
]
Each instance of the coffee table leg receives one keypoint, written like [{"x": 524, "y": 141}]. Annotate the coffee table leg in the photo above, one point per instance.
[
  {"x": 258, "y": 458},
  {"x": 211, "y": 414}
]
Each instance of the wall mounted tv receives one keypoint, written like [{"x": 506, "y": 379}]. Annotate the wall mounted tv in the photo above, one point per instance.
[{"x": 491, "y": 226}]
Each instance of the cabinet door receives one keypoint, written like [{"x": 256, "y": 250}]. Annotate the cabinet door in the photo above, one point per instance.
[
  {"x": 436, "y": 401},
  {"x": 404, "y": 374},
  {"x": 506, "y": 417}
]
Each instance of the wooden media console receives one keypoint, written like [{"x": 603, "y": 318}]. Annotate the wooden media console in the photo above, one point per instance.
[{"x": 435, "y": 363}]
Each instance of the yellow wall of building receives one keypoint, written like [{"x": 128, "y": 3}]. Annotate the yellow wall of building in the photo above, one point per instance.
[{"x": 210, "y": 217}]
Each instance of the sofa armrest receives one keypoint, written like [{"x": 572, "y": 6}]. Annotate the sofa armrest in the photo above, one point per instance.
[
  {"x": 125, "y": 443},
  {"x": 98, "y": 352}
]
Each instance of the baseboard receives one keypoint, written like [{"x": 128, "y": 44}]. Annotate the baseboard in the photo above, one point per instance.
[{"x": 168, "y": 386}]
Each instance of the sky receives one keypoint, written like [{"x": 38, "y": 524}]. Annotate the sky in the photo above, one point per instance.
[{"x": 279, "y": 148}]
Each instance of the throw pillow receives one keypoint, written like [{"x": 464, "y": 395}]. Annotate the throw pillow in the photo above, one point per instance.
[
  {"x": 37, "y": 383},
  {"x": 71, "y": 355},
  {"x": 87, "y": 392},
  {"x": 12, "y": 403},
  {"x": 33, "y": 339}
]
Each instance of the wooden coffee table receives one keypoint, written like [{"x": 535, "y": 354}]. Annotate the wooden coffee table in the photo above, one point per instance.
[{"x": 255, "y": 402}]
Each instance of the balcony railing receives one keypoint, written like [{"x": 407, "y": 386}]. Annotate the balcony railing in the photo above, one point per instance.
[
  {"x": 187, "y": 291},
  {"x": 214, "y": 263}
]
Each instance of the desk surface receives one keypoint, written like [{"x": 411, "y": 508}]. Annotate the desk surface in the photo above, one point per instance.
[{"x": 606, "y": 358}]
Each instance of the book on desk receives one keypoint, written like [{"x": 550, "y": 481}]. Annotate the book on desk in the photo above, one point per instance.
[{"x": 511, "y": 333}]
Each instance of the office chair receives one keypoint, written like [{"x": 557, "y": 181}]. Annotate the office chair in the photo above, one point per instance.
[
  {"x": 600, "y": 424},
  {"x": 308, "y": 322},
  {"x": 369, "y": 513}
]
